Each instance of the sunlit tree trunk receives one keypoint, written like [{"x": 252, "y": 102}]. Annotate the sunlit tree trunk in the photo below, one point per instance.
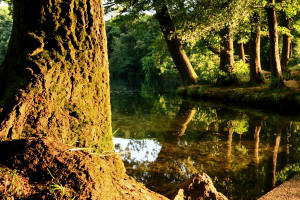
[
  {"x": 56, "y": 84},
  {"x": 242, "y": 53},
  {"x": 56, "y": 78},
  {"x": 277, "y": 79},
  {"x": 175, "y": 47},
  {"x": 255, "y": 64}
]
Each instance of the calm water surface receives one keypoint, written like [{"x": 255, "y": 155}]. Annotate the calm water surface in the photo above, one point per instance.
[{"x": 165, "y": 140}]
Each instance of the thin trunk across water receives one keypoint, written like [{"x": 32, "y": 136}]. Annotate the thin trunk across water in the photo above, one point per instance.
[{"x": 175, "y": 47}]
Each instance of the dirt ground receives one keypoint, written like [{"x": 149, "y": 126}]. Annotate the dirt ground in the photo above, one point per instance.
[{"x": 289, "y": 190}]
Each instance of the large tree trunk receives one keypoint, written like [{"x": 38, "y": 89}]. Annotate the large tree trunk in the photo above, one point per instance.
[
  {"x": 56, "y": 78},
  {"x": 277, "y": 79},
  {"x": 177, "y": 52},
  {"x": 226, "y": 53},
  {"x": 56, "y": 84},
  {"x": 286, "y": 44},
  {"x": 255, "y": 64}
]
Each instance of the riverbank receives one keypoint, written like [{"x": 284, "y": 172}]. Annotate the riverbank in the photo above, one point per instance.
[
  {"x": 289, "y": 190},
  {"x": 257, "y": 96},
  {"x": 44, "y": 168}
]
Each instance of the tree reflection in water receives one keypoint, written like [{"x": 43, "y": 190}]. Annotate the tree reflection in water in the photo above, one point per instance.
[{"x": 172, "y": 140}]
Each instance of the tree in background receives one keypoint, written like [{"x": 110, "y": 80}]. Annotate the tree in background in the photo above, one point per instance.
[
  {"x": 175, "y": 47},
  {"x": 197, "y": 20},
  {"x": 277, "y": 79},
  {"x": 256, "y": 75},
  {"x": 163, "y": 16},
  {"x": 226, "y": 52},
  {"x": 289, "y": 13},
  {"x": 5, "y": 30}
]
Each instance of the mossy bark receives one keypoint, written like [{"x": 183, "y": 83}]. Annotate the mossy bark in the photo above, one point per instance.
[
  {"x": 277, "y": 79},
  {"x": 175, "y": 47},
  {"x": 56, "y": 78},
  {"x": 56, "y": 82},
  {"x": 256, "y": 75}
]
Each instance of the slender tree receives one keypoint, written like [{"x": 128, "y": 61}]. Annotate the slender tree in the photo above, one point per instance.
[
  {"x": 242, "y": 52},
  {"x": 277, "y": 79},
  {"x": 255, "y": 64},
  {"x": 175, "y": 47},
  {"x": 286, "y": 43}
]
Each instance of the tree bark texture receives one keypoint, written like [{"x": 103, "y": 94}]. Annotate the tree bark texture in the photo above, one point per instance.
[
  {"x": 277, "y": 79},
  {"x": 226, "y": 53},
  {"x": 175, "y": 47},
  {"x": 56, "y": 78},
  {"x": 255, "y": 64},
  {"x": 286, "y": 44}
]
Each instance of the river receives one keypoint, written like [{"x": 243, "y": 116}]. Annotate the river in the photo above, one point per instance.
[{"x": 164, "y": 140}]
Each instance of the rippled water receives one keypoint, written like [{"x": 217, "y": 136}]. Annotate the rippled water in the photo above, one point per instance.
[{"x": 164, "y": 140}]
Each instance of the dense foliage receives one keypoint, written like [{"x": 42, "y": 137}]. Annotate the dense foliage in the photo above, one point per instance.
[
  {"x": 137, "y": 49},
  {"x": 202, "y": 27},
  {"x": 5, "y": 29}
]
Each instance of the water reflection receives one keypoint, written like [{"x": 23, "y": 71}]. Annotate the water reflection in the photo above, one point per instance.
[
  {"x": 184, "y": 116},
  {"x": 137, "y": 151},
  {"x": 169, "y": 140}
]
